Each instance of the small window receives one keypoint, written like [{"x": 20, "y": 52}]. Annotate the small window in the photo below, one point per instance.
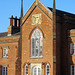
[
  {"x": 47, "y": 69},
  {"x": 72, "y": 69},
  {"x": 5, "y": 52},
  {"x": 4, "y": 70},
  {"x": 72, "y": 48},
  {"x": 26, "y": 69}
]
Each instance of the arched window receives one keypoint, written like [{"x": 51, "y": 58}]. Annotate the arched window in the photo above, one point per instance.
[
  {"x": 36, "y": 70},
  {"x": 47, "y": 69},
  {"x": 36, "y": 44},
  {"x": 26, "y": 69}
]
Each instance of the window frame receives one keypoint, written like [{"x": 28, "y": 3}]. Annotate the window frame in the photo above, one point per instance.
[
  {"x": 6, "y": 55},
  {"x": 4, "y": 72},
  {"x": 47, "y": 69},
  {"x": 34, "y": 52},
  {"x": 71, "y": 69}
]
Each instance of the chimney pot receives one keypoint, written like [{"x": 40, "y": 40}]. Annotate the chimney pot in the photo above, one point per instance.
[
  {"x": 12, "y": 16},
  {"x": 15, "y": 21},
  {"x": 15, "y": 17},
  {"x": 11, "y": 21}
]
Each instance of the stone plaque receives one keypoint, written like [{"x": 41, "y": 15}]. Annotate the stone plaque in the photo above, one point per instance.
[{"x": 36, "y": 19}]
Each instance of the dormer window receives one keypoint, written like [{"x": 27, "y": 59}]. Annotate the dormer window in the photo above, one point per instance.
[{"x": 36, "y": 43}]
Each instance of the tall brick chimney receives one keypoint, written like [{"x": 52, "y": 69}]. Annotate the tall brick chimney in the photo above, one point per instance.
[{"x": 14, "y": 26}]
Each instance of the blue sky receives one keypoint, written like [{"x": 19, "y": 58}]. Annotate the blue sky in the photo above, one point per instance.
[{"x": 12, "y": 7}]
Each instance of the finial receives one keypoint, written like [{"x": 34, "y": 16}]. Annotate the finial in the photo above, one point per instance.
[
  {"x": 36, "y": 2},
  {"x": 54, "y": 7},
  {"x": 21, "y": 8}
]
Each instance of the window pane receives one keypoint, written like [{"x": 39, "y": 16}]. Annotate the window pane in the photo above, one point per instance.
[
  {"x": 38, "y": 73},
  {"x": 37, "y": 43},
  {"x": 32, "y": 46},
  {"x": 38, "y": 69},
  {"x": 35, "y": 69},
  {"x": 6, "y": 52},
  {"x": 37, "y": 46},
  {"x": 36, "y": 52},
  {"x": 41, "y": 41}
]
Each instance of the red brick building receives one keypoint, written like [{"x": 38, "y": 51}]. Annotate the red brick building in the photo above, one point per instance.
[{"x": 42, "y": 42}]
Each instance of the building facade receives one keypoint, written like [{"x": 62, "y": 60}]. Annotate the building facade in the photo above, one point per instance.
[{"x": 42, "y": 42}]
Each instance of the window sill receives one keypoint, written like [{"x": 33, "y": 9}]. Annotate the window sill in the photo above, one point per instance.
[
  {"x": 36, "y": 57},
  {"x": 72, "y": 54},
  {"x": 5, "y": 58}
]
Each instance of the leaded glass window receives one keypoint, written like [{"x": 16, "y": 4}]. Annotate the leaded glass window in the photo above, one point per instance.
[
  {"x": 36, "y": 43},
  {"x": 26, "y": 69},
  {"x": 47, "y": 69}
]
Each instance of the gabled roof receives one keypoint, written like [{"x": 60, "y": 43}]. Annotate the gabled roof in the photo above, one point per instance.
[{"x": 42, "y": 7}]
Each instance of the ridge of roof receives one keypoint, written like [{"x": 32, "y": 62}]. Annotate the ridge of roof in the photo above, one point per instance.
[
  {"x": 45, "y": 7},
  {"x": 62, "y": 13}
]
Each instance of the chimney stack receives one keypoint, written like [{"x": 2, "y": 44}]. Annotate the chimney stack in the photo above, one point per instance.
[
  {"x": 11, "y": 21},
  {"x": 12, "y": 29}
]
